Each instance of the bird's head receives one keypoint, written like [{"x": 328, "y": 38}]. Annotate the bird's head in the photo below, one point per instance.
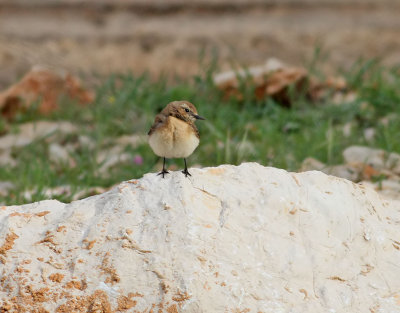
[{"x": 183, "y": 110}]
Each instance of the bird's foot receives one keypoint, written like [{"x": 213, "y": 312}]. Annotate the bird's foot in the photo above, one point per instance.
[
  {"x": 186, "y": 172},
  {"x": 163, "y": 172}
]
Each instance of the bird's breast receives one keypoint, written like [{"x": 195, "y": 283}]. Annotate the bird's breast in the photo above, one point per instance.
[{"x": 175, "y": 139}]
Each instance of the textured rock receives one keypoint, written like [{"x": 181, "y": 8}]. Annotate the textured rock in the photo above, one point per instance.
[
  {"x": 45, "y": 87},
  {"x": 227, "y": 239},
  {"x": 272, "y": 79}
]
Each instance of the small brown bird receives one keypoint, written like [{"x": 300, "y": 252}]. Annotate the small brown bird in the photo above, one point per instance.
[{"x": 174, "y": 134}]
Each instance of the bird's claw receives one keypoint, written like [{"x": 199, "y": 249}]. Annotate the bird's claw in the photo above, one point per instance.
[
  {"x": 163, "y": 172},
  {"x": 186, "y": 172}
]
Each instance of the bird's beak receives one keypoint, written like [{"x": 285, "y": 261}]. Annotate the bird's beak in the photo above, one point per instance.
[{"x": 198, "y": 117}]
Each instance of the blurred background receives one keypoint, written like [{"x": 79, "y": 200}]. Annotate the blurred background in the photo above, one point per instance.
[
  {"x": 295, "y": 84},
  {"x": 107, "y": 36}
]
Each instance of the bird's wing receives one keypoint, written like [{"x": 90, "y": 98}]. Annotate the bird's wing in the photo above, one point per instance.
[
  {"x": 196, "y": 131},
  {"x": 158, "y": 121}
]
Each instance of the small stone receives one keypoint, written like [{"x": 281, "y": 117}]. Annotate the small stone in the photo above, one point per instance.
[
  {"x": 132, "y": 140},
  {"x": 86, "y": 142},
  {"x": 311, "y": 164},
  {"x": 347, "y": 129},
  {"x": 5, "y": 187},
  {"x": 58, "y": 153},
  {"x": 344, "y": 171},
  {"x": 369, "y": 134},
  {"x": 6, "y": 159}
]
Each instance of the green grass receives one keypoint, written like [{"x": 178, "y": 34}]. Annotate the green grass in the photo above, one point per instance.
[{"x": 235, "y": 130}]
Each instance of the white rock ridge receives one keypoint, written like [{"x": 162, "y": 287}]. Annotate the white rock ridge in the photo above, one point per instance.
[{"x": 228, "y": 239}]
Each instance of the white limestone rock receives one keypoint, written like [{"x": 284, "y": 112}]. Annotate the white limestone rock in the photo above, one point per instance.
[{"x": 227, "y": 239}]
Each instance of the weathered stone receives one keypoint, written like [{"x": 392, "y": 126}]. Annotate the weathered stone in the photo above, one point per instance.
[
  {"x": 269, "y": 80},
  {"x": 42, "y": 86},
  {"x": 227, "y": 239}
]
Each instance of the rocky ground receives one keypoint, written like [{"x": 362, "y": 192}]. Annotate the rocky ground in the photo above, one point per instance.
[
  {"x": 373, "y": 167},
  {"x": 55, "y": 133},
  {"x": 75, "y": 148},
  {"x": 166, "y": 36}
]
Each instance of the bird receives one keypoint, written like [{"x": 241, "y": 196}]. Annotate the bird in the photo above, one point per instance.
[{"x": 174, "y": 133}]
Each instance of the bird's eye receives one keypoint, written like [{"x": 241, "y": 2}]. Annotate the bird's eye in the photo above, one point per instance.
[{"x": 187, "y": 110}]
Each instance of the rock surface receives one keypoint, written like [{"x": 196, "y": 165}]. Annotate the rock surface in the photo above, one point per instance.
[{"x": 227, "y": 239}]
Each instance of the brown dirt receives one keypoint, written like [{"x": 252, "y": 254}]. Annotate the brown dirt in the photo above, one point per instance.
[
  {"x": 172, "y": 309},
  {"x": 7, "y": 245},
  {"x": 56, "y": 277},
  {"x": 110, "y": 271},
  {"x": 43, "y": 213},
  {"x": 126, "y": 302},
  {"x": 80, "y": 285}
]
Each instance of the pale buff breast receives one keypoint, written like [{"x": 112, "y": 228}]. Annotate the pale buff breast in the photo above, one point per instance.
[{"x": 175, "y": 139}]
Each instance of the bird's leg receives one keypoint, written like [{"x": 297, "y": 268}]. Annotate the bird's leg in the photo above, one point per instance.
[
  {"x": 185, "y": 171},
  {"x": 164, "y": 171}
]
